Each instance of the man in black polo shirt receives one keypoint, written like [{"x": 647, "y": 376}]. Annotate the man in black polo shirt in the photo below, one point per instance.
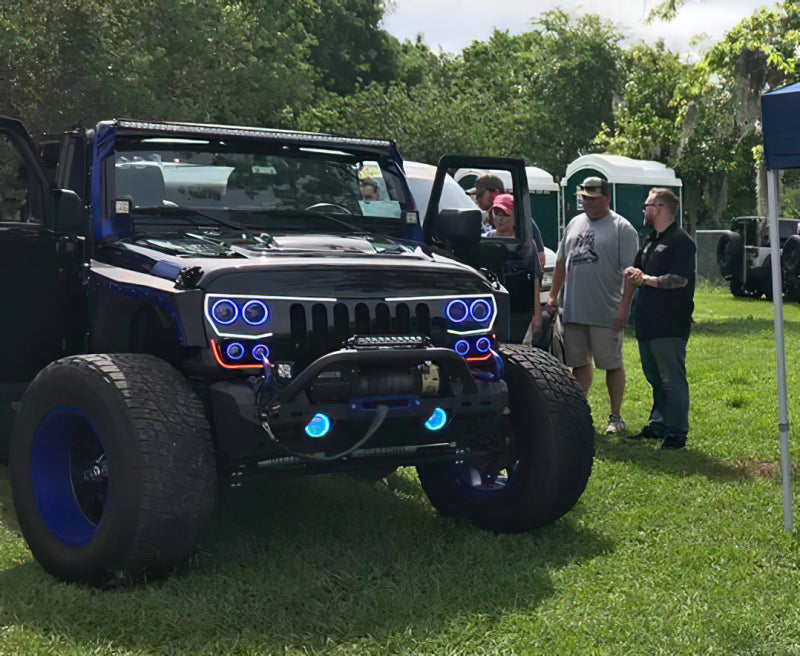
[{"x": 664, "y": 272}]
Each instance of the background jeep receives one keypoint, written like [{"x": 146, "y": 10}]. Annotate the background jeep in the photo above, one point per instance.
[
  {"x": 194, "y": 305},
  {"x": 743, "y": 255}
]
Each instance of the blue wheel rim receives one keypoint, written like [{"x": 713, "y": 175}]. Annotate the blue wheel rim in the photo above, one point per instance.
[{"x": 69, "y": 475}]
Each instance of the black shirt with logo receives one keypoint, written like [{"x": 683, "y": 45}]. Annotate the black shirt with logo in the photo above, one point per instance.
[{"x": 666, "y": 312}]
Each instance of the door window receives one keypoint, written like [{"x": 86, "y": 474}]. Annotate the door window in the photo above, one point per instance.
[{"x": 18, "y": 201}]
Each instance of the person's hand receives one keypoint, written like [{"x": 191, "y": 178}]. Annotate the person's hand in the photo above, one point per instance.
[
  {"x": 552, "y": 307},
  {"x": 618, "y": 324},
  {"x": 635, "y": 276}
]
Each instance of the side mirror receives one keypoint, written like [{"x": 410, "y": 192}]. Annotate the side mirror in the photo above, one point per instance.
[
  {"x": 71, "y": 215},
  {"x": 459, "y": 231}
]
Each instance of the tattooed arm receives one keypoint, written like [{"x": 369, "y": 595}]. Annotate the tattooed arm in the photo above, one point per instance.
[{"x": 667, "y": 281}]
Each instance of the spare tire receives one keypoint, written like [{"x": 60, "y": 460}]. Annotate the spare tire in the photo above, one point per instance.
[
  {"x": 790, "y": 258},
  {"x": 730, "y": 255}
]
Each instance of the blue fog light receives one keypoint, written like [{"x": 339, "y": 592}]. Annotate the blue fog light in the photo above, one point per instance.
[
  {"x": 319, "y": 426},
  {"x": 234, "y": 351},
  {"x": 437, "y": 420},
  {"x": 255, "y": 312},
  {"x": 483, "y": 345},
  {"x": 260, "y": 352},
  {"x": 462, "y": 347},
  {"x": 480, "y": 310},
  {"x": 224, "y": 311},
  {"x": 457, "y": 311}
]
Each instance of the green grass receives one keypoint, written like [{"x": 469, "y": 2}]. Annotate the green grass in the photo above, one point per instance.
[{"x": 665, "y": 553}]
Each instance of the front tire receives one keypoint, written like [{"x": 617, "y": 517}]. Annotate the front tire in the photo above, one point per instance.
[
  {"x": 550, "y": 430},
  {"x": 111, "y": 468}
]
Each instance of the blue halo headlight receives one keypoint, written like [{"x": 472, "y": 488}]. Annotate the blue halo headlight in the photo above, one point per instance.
[
  {"x": 483, "y": 344},
  {"x": 260, "y": 351},
  {"x": 255, "y": 312},
  {"x": 462, "y": 347},
  {"x": 224, "y": 311},
  {"x": 457, "y": 311},
  {"x": 319, "y": 426},
  {"x": 437, "y": 420},
  {"x": 480, "y": 310},
  {"x": 234, "y": 351}
]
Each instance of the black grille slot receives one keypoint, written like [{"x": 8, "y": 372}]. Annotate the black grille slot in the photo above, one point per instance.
[
  {"x": 341, "y": 324},
  {"x": 383, "y": 320},
  {"x": 362, "y": 320},
  {"x": 401, "y": 323},
  {"x": 297, "y": 325},
  {"x": 319, "y": 330},
  {"x": 422, "y": 325}
]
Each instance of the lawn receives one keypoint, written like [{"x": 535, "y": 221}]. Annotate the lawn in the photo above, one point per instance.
[{"x": 666, "y": 552}]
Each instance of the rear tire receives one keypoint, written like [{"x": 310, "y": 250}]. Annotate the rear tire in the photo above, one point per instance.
[
  {"x": 550, "y": 429},
  {"x": 730, "y": 255},
  {"x": 737, "y": 288},
  {"x": 111, "y": 468}
]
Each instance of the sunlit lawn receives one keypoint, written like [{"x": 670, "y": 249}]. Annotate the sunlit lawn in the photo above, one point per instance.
[{"x": 666, "y": 552}]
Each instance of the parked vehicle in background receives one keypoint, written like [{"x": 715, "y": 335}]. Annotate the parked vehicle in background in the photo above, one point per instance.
[{"x": 745, "y": 259}]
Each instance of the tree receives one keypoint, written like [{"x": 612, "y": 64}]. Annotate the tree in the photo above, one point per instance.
[
  {"x": 541, "y": 95},
  {"x": 77, "y": 61}
]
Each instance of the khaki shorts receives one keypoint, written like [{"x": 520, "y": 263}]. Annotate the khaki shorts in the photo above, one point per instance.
[{"x": 582, "y": 343}]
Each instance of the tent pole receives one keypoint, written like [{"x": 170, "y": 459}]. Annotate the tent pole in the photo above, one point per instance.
[{"x": 780, "y": 350}]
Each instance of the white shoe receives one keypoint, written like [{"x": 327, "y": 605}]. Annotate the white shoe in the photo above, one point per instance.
[{"x": 616, "y": 425}]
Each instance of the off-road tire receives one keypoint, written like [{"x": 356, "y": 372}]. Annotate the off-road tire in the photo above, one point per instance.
[
  {"x": 550, "y": 425},
  {"x": 111, "y": 468},
  {"x": 730, "y": 255},
  {"x": 737, "y": 287}
]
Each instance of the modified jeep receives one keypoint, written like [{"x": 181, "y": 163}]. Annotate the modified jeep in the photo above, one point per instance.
[
  {"x": 191, "y": 306},
  {"x": 743, "y": 255}
]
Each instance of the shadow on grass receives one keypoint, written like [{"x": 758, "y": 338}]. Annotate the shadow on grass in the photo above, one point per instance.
[
  {"x": 648, "y": 455},
  {"x": 312, "y": 564}
]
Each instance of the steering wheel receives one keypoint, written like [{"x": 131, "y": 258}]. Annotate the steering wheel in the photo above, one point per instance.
[{"x": 321, "y": 207}]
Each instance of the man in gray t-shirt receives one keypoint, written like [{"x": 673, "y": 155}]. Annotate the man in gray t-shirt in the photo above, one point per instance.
[{"x": 596, "y": 248}]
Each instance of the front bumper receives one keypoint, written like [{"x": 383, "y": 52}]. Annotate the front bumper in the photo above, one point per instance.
[{"x": 377, "y": 413}]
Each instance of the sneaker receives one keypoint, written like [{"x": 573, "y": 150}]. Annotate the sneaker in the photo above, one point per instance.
[
  {"x": 674, "y": 442},
  {"x": 616, "y": 425},
  {"x": 646, "y": 433}
]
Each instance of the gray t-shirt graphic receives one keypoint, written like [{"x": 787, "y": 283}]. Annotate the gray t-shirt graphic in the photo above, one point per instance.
[{"x": 595, "y": 254}]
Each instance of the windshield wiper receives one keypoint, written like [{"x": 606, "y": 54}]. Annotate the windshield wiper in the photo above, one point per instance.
[{"x": 185, "y": 212}]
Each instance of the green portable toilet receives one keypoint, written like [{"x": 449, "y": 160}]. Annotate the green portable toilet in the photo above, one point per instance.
[
  {"x": 544, "y": 195},
  {"x": 543, "y": 192},
  {"x": 630, "y": 180}
]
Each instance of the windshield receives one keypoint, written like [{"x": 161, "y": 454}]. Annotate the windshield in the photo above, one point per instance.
[{"x": 266, "y": 188}]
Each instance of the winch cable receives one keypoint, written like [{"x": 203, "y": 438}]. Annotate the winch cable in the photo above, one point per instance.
[{"x": 381, "y": 412}]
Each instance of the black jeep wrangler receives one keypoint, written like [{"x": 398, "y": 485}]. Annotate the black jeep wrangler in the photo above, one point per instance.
[
  {"x": 743, "y": 256},
  {"x": 189, "y": 306}
]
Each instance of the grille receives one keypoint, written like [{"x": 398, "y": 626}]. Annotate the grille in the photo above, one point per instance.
[{"x": 320, "y": 328}]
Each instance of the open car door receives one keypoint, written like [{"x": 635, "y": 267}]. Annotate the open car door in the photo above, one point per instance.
[{"x": 513, "y": 259}]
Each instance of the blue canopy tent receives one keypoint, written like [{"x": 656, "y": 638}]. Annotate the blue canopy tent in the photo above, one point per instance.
[{"x": 780, "y": 122}]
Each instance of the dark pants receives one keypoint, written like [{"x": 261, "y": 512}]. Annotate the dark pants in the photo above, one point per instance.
[{"x": 664, "y": 366}]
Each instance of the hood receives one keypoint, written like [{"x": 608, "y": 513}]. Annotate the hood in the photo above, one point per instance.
[{"x": 316, "y": 263}]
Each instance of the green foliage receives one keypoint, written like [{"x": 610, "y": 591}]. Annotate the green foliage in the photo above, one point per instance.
[
  {"x": 541, "y": 95},
  {"x": 78, "y": 61},
  {"x": 347, "y": 46}
]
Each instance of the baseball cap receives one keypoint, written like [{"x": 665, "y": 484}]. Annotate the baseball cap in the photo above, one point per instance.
[
  {"x": 504, "y": 202},
  {"x": 593, "y": 187}
]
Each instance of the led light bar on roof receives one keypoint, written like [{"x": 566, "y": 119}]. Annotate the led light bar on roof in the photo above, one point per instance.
[{"x": 241, "y": 131}]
